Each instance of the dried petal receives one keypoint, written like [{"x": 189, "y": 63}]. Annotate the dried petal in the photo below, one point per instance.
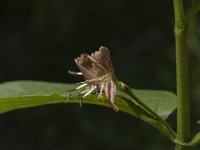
[
  {"x": 102, "y": 56},
  {"x": 90, "y": 69},
  {"x": 110, "y": 92},
  {"x": 86, "y": 67}
]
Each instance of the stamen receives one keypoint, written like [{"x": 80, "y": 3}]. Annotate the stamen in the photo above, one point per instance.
[
  {"x": 75, "y": 73},
  {"x": 68, "y": 98},
  {"x": 81, "y": 102},
  {"x": 101, "y": 91},
  {"x": 95, "y": 79},
  {"x": 88, "y": 81},
  {"x": 115, "y": 108},
  {"x": 85, "y": 91},
  {"x": 98, "y": 79},
  {"x": 81, "y": 82},
  {"x": 81, "y": 86},
  {"x": 90, "y": 91}
]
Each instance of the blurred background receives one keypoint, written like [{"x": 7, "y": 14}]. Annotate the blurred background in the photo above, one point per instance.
[{"x": 39, "y": 40}]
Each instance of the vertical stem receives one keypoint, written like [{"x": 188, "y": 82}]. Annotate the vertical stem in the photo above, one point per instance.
[{"x": 183, "y": 108}]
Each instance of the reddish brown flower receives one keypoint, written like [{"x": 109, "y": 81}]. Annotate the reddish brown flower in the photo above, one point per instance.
[{"x": 98, "y": 71}]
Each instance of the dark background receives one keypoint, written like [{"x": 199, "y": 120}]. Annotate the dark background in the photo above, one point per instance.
[{"x": 39, "y": 40}]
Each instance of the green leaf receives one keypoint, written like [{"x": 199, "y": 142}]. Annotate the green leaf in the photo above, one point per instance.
[
  {"x": 195, "y": 8},
  {"x": 195, "y": 140},
  {"x": 23, "y": 94},
  {"x": 161, "y": 102}
]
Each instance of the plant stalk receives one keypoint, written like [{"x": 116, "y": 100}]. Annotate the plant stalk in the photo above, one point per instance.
[
  {"x": 126, "y": 89},
  {"x": 183, "y": 107}
]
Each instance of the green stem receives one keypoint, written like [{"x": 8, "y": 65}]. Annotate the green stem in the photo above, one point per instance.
[
  {"x": 126, "y": 89},
  {"x": 183, "y": 108}
]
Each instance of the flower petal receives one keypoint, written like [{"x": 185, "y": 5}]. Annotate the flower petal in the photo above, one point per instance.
[
  {"x": 110, "y": 92},
  {"x": 102, "y": 56},
  {"x": 86, "y": 66}
]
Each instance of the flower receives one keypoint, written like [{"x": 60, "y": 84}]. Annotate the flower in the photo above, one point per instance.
[{"x": 98, "y": 71}]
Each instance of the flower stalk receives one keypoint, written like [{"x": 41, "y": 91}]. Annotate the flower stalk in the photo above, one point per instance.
[{"x": 126, "y": 89}]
